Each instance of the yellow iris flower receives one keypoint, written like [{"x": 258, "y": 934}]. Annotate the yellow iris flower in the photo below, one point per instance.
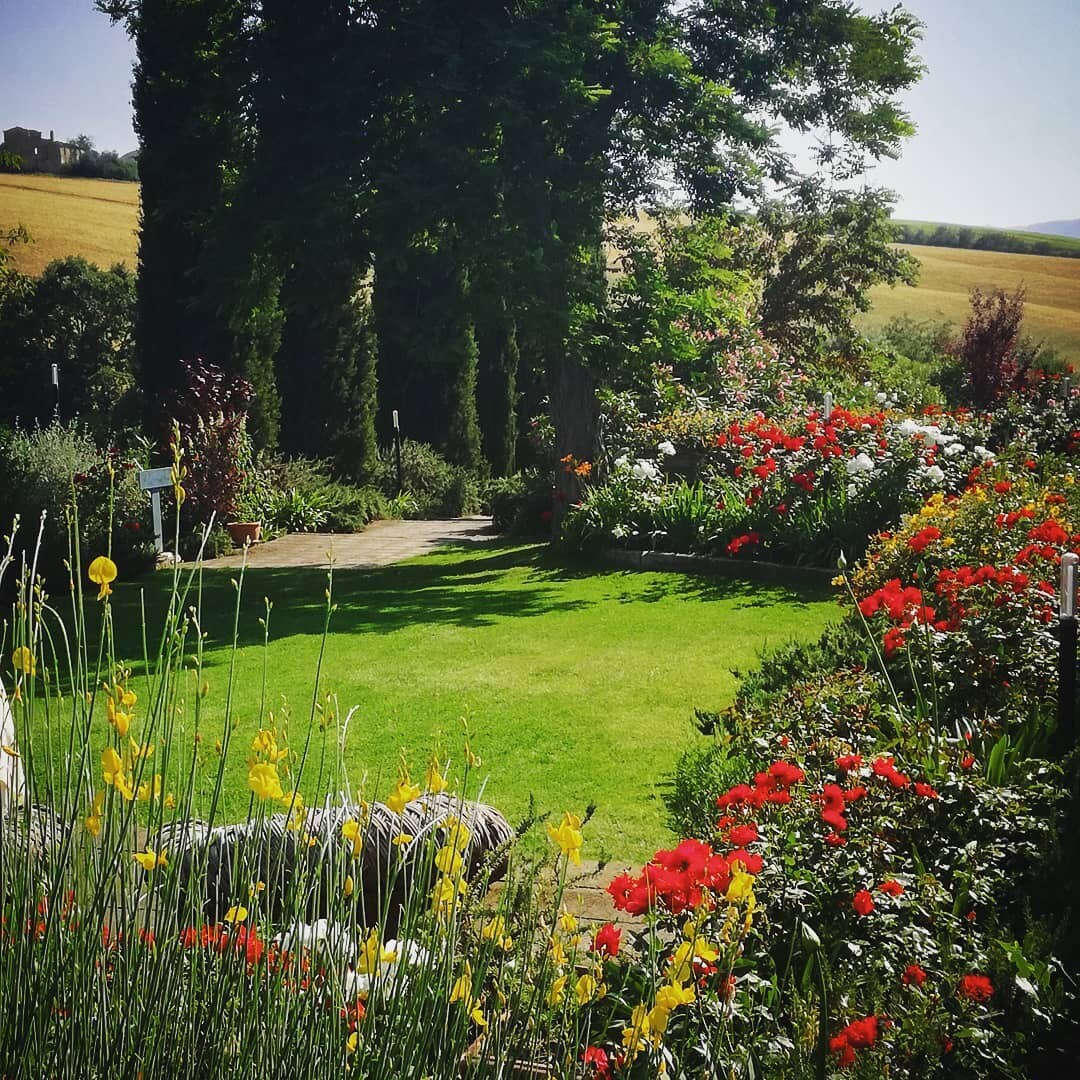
[
  {"x": 22, "y": 659},
  {"x": 102, "y": 572},
  {"x": 567, "y": 837},
  {"x": 264, "y": 781}
]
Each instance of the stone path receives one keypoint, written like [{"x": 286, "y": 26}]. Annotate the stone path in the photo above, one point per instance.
[{"x": 381, "y": 543}]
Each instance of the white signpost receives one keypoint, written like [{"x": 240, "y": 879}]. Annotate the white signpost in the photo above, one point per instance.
[{"x": 155, "y": 481}]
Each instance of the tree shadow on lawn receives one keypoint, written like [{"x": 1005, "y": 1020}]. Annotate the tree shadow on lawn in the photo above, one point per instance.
[
  {"x": 793, "y": 591},
  {"x": 382, "y": 599}
]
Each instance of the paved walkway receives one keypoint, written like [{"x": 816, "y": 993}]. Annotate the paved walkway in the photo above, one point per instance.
[{"x": 382, "y": 542}]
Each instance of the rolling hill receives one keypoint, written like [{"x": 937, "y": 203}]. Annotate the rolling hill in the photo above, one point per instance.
[
  {"x": 1057, "y": 228},
  {"x": 949, "y": 274},
  {"x": 97, "y": 219}
]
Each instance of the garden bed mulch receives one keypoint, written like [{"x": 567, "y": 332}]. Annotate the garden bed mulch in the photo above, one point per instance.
[{"x": 714, "y": 566}]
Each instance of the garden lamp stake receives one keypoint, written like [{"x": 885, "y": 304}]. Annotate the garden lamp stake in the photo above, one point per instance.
[
  {"x": 827, "y": 411},
  {"x": 397, "y": 453},
  {"x": 55, "y": 378},
  {"x": 1066, "y": 718}
]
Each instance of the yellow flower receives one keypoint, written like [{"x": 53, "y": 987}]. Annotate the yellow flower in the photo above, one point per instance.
[
  {"x": 671, "y": 996},
  {"x": 149, "y": 859},
  {"x": 495, "y": 930},
  {"x": 23, "y": 660},
  {"x": 348, "y": 887},
  {"x": 170, "y": 801},
  {"x": 462, "y": 988},
  {"x": 10, "y": 750},
  {"x": 293, "y": 801},
  {"x": 681, "y": 965},
  {"x": 352, "y": 831},
  {"x": 434, "y": 780},
  {"x": 403, "y": 839},
  {"x": 351, "y": 1043},
  {"x": 93, "y": 819},
  {"x": 558, "y": 953},
  {"x": 634, "y": 1036},
  {"x": 264, "y": 781},
  {"x": 138, "y": 752},
  {"x": 742, "y": 884},
  {"x": 147, "y": 791},
  {"x": 585, "y": 989},
  {"x": 567, "y": 837},
  {"x": 448, "y": 861},
  {"x": 567, "y": 922},
  {"x": 557, "y": 991},
  {"x": 236, "y": 914},
  {"x": 457, "y": 835},
  {"x": 127, "y": 697},
  {"x": 372, "y": 954},
  {"x": 266, "y": 743},
  {"x": 102, "y": 572},
  {"x": 112, "y": 765},
  {"x": 403, "y": 794}
]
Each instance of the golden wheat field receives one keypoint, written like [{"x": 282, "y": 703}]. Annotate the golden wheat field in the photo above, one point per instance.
[
  {"x": 96, "y": 219},
  {"x": 949, "y": 274}
]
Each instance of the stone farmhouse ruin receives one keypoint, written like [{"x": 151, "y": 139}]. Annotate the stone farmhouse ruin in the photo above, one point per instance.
[{"x": 39, "y": 154}]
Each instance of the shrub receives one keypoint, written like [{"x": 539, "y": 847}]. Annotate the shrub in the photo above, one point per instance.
[
  {"x": 318, "y": 500},
  {"x": 992, "y": 365},
  {"x": 211, "y": 418},
  {"x": 292, "y": 511},
  {"x": 60, "y": 471},
  {"x": 438, "y": 488},
  {"x": 520, "y": 504}
]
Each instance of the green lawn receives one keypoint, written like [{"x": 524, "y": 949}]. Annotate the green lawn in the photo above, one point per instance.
[{"x": 579, "y": 685}]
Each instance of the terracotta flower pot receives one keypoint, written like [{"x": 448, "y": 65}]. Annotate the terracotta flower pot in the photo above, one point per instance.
[{"x": 244, "y": 532}]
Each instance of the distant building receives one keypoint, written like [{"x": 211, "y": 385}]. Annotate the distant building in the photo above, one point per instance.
[{"x": 39, "y": 154}]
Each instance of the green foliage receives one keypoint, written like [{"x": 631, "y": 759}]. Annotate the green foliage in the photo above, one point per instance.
[
  {"x": 81, "y": 319},
  {"x": 935, "y": 234},
  {"x": 818, "y": 256},
  {"x": 521, "y": 504},
  {"x": 322, "y": 501},
  {"x": 292, "y": 511},
  {"x": 9, "y": 162},
  {"x": 103, "y": 164},
  {"x": 437, "y": 488},
  {"x": 57, "y": 479}
]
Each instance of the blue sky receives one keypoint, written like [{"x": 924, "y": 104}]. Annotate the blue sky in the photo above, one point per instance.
[{"x": 998, "y": 111}]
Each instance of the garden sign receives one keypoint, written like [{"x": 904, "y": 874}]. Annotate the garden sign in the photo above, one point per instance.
[{"x": 154, "y": 480}]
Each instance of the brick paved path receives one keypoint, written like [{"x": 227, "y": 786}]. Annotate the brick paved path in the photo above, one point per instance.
[{"x": 382, "y": 542}]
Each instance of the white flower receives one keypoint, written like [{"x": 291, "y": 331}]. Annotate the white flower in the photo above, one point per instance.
[
  {"x": 953, "y": 449},
  {"x": 852, "y": 490},
  {"x": 666, "y": 449},
  {"x": 334, "y": 938},
  {"x": 881, "y": 397},
  {"x": 861, "y": 463},
  {"x": 644, "y": 470},
  {"x": 909, "y": 427},
  {"x": 619, "y": 531},
  {"x": 934, "y": 474},
  {"x": 984, "y": 454},
  {"x": 622, "y": 461}
]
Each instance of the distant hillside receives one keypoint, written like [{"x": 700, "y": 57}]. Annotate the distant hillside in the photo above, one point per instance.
[
  {"x": 978, "y": 238},
  {"x": 946, "y": 278},
  {"x": 1057, "y": 228},
  {"x": 97, "y": 219}
]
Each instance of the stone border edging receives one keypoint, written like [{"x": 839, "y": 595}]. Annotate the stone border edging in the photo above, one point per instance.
[{"x": 713, "y": 566}]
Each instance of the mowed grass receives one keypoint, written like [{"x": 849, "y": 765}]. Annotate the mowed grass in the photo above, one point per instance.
[
  {"x": 579, "y": 685},
  {"x": 949, "y": 274},
  {"x": 97, "y": 219}
]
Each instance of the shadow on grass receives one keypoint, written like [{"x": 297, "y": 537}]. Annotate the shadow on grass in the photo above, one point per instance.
[{"x": 463, "y": 585}]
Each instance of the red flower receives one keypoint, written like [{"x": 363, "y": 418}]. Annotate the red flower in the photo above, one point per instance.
[
  {"x": 891, "y": 888},
  {"x": 598, "y": 1059},
  {"x": 893, "y": 641},
  {"x": 913, "y": 974},
  {"x": 849, "y": 762},
  {"x": 858, "y": 1035},
  {"x": 862, "y": 902},
  {"x": 833, "y": 840},
  {"x": 923, "y": 538},
  {"x": 967, "y": 761},
  {"x": 884, "y": 767},
  {"x": 832, "y": 810},
  {"x": 741, "y": 835},
  {"x": 975, "y": 988},
  {"x": 1002, "y": 487},
  {"x": 925, "y": 790},
  {"x": 606, "y": 940}
]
